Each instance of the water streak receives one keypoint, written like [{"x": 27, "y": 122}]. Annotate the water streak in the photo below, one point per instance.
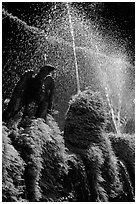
[
  {"x": 74, "y": 48},
  {"x": 119, "y": 111},
  {"x": 111, "y": 109}
]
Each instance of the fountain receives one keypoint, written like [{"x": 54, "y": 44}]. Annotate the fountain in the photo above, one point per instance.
[
  {"x": 106, "y": 87},
  {"x": 81, "y": 54}
]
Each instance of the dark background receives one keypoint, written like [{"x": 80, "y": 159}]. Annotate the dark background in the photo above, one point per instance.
[{"x": 118, "y": 16}]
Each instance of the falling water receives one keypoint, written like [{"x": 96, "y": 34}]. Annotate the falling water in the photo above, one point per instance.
[
  {"x": 111, "y": 109},
  {"x": 74, "y": 48},
  {"x": 118, "y": 114}
]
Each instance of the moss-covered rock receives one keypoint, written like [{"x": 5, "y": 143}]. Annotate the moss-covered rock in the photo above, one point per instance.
[
  {"x": 42, "y": 148},
  {"x": 84, "y": 136},
  {"x": 50, "y": 173},
  {"x": 82, "y": 165},
  {"x": 13, "y": 186},
  {"x": 124, "y": 147},
  {"x": 86, "y": 114}
]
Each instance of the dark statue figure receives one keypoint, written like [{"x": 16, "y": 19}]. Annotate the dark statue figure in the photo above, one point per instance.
[{"x": 38, "y": 89}]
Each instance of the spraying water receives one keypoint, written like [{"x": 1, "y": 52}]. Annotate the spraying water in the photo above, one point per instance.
[
  {"x": 96, "y": 67},
  {"x": 107, "y": 91},
  {"x": 106, "y": 87},
  {"x": 74, "y": 48},
  {"x": 111, "y": 109},
  {"x": 118, "y": 114}
]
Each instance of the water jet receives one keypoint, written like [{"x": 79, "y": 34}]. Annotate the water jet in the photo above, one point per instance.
[
  {"x": 75, "y": 45},
  {"x": 74, "y": 49}
]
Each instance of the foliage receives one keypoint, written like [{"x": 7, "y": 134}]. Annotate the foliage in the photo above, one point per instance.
[
  {"x": 124, "y": 147},
  {"x": 42, "y": 147},
  {"x": 84, "y": 136},
  {"x": 86, "y": 114},
  {"x": 81, "y": 165},
  {"x": 12, "y": 171}
]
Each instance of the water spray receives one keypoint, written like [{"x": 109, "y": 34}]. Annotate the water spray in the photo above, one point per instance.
[
  {"x": 104, "y": 75},
  {"x": 111, "y": 109},
  {"x": 100, "y": 57},
  {"x": 74, "y": 47},
  {"x": 119, "y": 110}
]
